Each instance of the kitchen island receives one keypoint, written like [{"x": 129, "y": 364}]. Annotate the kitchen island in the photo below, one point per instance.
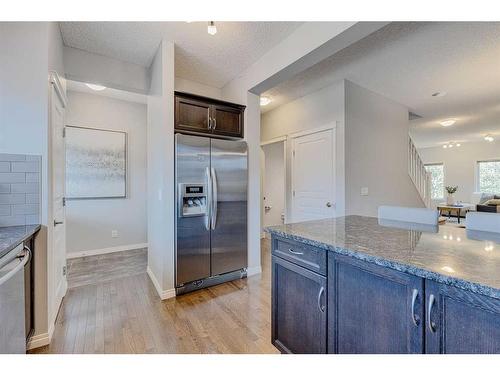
[{"x": 360, "y": 285}]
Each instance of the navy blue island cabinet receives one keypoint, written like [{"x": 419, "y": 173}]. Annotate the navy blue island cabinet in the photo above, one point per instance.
[{"x": 324, "y": 302}]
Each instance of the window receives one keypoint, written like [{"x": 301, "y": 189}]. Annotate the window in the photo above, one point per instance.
[
  {"x": 437, "y": 180},
  {"x": 488, "y": 176}
]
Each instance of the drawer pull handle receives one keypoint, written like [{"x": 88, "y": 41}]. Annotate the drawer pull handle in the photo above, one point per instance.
[
  {"x": 432, "y": 326},
  {"x": 320, "y": 306},
  {"x": 295, "y": 252},
  {"x": 415, "y": 318}
]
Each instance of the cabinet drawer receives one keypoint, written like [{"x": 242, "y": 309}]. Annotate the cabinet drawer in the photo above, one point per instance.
[{"x": 307, "y": 256}]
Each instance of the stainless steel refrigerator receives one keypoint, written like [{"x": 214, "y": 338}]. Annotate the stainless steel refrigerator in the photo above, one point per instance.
[{"x": 211, "y": 224}]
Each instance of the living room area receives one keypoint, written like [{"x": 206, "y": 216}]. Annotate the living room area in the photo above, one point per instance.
[{"x": 456, "y": 128}]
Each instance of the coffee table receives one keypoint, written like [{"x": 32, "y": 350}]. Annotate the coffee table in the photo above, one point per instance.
[{"x": 456, "y": 210}]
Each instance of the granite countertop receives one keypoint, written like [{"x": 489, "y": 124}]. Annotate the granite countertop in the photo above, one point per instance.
[
  {"x": 10, "y": 237},
  {"x": 469, "y": 260}
]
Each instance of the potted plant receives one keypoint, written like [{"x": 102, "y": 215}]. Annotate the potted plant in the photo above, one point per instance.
[{"x": 451, "y": 190}]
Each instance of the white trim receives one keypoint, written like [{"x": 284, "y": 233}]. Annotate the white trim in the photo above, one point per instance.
[
  {"x": 164, "y": 294},
  {"x": 251, "y": 271},
  {"x": 54, "y": 80},
  {"x": 314, "y": 130},
  {"x": 42, "y": 339},
  {"x": 105, "y": 250},
  {"x": 273, "y": 140}
]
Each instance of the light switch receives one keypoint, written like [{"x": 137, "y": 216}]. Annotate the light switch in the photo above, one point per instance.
[
  {"x": 114, "y": 233},
  {"x": 364, "y": 191}
]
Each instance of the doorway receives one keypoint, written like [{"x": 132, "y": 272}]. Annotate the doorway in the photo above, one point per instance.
[{"x": 273, "y": 184}]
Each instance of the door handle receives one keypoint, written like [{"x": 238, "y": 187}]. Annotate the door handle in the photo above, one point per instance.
[
  {"x": 431, "y": 325},
  {"x": 208, "y": 203},
  {"x": 214, "y": 198},
  {"x": 320, "y": 306},
  {"x": 328, "y": 204},
  {"x": 58, "y": 222},
  {"x": 414, "y": 318}
]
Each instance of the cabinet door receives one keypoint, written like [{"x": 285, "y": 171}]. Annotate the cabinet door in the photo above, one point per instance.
[
  {"x": 191, "y": 115},
  {"x": 460, "y": 322},
  {"x": 373, "y": 309},
  {"x": 227, "y": 121},
  {"x": 299, "y": 313}
]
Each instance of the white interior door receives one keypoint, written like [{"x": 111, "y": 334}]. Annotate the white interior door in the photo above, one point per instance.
[
  {"x": 274, "y": 184},
  {"x": 313, "y": 176},
  {"x": 57, "y": 107}
]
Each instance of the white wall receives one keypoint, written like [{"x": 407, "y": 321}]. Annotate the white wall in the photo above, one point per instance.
[
  {"x": 89, "y": 67},
  {"x": 192, "y": 87},
  {"x": 160, "y": 155},
  {"x": 90, "y": 222},
  {"x": 460, "y": 164},
  {"x": 376, "y": 153},
  {"x": 322, "y": 108},
  {"x": 274, "y": 183}
]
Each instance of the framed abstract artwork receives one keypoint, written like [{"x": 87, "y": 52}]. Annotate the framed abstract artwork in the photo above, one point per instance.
[{"x": 96, "y": 163}]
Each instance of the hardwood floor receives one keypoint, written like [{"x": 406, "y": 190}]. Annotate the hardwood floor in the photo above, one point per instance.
[{"x": 112, "y": 307}]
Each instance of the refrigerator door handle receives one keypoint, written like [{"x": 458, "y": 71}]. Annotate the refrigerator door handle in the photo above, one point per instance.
[
  {"x": 214, "y": 198},
  {"x": 208, "y": 217}
]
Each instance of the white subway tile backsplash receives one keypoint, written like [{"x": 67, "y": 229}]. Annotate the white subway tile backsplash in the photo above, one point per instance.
[
  {"x": 32, "y": 177},
  {"x": 19, "y": 189},
  {"x": 24, "y": 209},
  {"x": 25, "y": 166},
  {"x": 24, "y": 188},
  {"x": 12, "y": 157},
  {"x": 4, "y": 209},
  {"x": 4, "y": 166},
  {"x": 32, "y": 198},
  {"x": 11, "y": 178},
  {"x": 12, "y": 198},
  {"x": 8, "y": 221}
]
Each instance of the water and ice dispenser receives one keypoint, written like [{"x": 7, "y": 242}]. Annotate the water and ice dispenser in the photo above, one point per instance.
[{"x": 192, "y": 200}]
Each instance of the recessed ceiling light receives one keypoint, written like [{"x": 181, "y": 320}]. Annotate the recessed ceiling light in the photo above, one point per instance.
[
  {"x": 212, "y": 29},
  {"x": 438, "y": 94},
  {"x": 489, "y": 138},
  {"x": 458, "y": 145},
  {"x": 449, "y": 122},
  {"x": 95, "y": 87},
  {"x": 448, "y": 269},
  {"x": 264, "y": 100},
  {"x": 445, "y": 146}
]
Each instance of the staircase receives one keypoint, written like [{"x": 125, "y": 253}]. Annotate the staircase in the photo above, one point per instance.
[{"x": 418, "y": 174}]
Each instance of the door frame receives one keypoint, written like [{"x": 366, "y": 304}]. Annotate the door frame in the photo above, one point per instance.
[
  {"x": 291, "y": 140},
  {"x": 283, "y": 139},
  {"x": 55, "y": 293}
]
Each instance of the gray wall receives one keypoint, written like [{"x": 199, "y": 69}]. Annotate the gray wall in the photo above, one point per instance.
[
  {"x": 376, "y": 153},
  {"x": 90, "y": 222}
]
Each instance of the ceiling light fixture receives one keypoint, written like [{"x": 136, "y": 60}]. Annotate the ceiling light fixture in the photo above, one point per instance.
[
  {"x": 264, "y": 100},
  {"x": 95, "y": 87},
  {"x": 212, "y": 29},
  {"x": 451, "y": 144},
  {"x": 489, "y": 138},
  {"x": 449, "y": 122},
  {"x": 439, "y": 94}
]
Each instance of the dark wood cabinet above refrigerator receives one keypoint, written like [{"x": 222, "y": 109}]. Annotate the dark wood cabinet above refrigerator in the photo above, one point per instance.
[{"x": 201, "y": 115}]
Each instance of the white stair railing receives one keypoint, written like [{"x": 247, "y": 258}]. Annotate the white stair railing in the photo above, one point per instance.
[{"x": 418, "y": 174}]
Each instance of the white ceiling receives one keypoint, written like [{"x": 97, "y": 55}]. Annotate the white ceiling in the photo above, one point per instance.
[
  {"x": 211, "y": 60},
  {"x": 407, "y": 62},
  {"x": 108, "y": 92}
]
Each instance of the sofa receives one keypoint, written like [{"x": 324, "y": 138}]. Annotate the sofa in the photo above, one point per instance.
[{"x": 488, "y": 203}]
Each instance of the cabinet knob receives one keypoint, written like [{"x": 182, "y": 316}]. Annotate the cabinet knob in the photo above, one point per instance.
[{"x": 328, "y": 204}]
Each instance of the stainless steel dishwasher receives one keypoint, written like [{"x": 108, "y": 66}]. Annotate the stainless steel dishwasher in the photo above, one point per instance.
[{"x": 12, "y": 300}]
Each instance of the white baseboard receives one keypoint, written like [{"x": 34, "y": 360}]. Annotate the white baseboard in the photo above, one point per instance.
[
  {"x": 164, "y": 294},
  {"x": 254, "y": 271},
  {"x": 106, "y": 250},
  {"x": 42, "y": 339}
]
